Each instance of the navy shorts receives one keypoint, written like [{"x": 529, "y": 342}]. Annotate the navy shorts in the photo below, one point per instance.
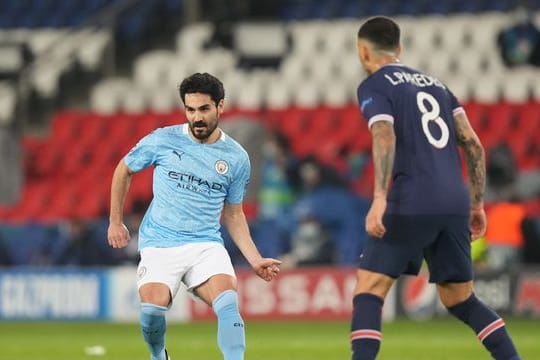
[{"x": 442, "y": 240}]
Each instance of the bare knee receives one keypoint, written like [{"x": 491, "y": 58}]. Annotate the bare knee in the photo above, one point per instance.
[
  {"x": 155, "y": 293},
  {"x": 214, "y": 286},
  {"x": 373, "y": 283},
  {"x": 452, "y": 294}
]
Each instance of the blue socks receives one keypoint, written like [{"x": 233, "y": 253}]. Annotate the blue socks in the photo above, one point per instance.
[
  {"x": 488, "y": 326},
  {"x": 153, "y": 329},
  {"x": 366, "y": 326},
  {"x": 231, "y": 336}
]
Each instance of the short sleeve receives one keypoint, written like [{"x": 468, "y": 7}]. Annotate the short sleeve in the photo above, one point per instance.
[
  {"x": 455, "y": 105},
  {"x": 238, "y": 187},
  {"x": 143, "y": 154},
  {"x": 374, "y": 105}
]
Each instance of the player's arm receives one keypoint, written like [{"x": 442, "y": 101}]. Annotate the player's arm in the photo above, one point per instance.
[
  {"x": 118, "y": 234},
  {"x": 383, "y": 153},
  {"x": 474, "y": 156},
  {"x": 383, "y": 150},
  {"x": 235, "y": 221},
  {"x": 476, "y": 170}
]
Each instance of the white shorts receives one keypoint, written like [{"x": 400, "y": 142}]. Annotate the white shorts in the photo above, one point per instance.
[{"x": 191, "y": 264}]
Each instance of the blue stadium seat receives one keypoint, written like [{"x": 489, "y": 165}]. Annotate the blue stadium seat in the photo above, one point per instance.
[
  {"x": 173, "y": 6},
  {"x": 323, "y": 9},
  {"x": 411, "y": 8},
  {"x": 381, "y": 7},
  {"x": 351, "y": 9},
  {"x": 295, "y": 10},
  {"x": 440, "y": 7},
  {"x": 498, "y": 5},
  {"x": 468, "y": 7}
]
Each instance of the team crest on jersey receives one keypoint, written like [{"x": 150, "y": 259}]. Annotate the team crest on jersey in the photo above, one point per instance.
[
  {"x": 141, "y": 272},
  {"x": 221, "y": 167}
]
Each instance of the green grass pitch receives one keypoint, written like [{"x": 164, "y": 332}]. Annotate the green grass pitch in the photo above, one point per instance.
[{"x": 403, "y": 340}]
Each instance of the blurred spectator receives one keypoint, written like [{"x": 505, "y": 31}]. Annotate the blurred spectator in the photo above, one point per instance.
[
  {"x": 82, "y": 247},
  {"x": 329, "y": 218},
  {"x": 276, "y": 193},
  {"x": 5, "y": 258},
  {"x": 248, "y": 131},
  {"x": 276, "y": 196},
  {"x": 504, "y": 235},
  {"x": 310, "y": 245},
  {"x": 531, "y": 237},
  {"x": 501, "y": 171},
  {"x": 223, "y": 15},
  {"x": 46, "y": 244},
  {"x": 273, "y": 225},
  {"x": 519, "y": 44}
]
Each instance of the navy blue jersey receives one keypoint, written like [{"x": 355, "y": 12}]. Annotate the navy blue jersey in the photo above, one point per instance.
[{"x": 426, "y": 177}]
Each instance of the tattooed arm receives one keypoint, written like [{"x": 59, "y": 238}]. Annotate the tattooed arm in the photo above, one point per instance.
[
  {"x": 476, "y": 170},
  {"x": 384, "y": 147},
  {"x": 383, "y": 151},
  {"x": 475, "y": 158}
]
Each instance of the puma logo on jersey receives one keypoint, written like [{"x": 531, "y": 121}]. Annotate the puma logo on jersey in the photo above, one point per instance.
[{"x": 179, "y": 154}]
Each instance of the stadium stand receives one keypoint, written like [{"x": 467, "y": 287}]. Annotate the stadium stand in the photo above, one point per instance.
[{"x": 308, "y": 93}]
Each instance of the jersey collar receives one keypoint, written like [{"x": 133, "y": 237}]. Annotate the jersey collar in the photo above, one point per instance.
[{"x": 185, "y": 130}]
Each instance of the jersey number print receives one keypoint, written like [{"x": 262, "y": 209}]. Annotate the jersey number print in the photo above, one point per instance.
[{"x": 433, "y": 114}]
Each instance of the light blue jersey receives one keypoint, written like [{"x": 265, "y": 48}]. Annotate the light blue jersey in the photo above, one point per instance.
[{"x": 191, "y": 183}]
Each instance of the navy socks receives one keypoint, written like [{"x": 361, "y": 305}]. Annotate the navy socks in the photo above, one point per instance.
[
  {"x": 366, "y": 326},
  {"x": 488, "y": 326}
]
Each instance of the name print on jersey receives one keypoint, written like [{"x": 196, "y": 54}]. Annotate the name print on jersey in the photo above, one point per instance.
[{"x": 417, "y": 79}]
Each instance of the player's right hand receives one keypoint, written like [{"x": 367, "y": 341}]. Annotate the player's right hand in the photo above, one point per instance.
[
  {"x": 267, "y": 268},
  {"x": 374, "y": 223},
  {"x": 118, "y": 235}
]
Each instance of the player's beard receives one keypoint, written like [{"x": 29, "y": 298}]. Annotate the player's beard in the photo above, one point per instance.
[{"x": 202, "y": 130}]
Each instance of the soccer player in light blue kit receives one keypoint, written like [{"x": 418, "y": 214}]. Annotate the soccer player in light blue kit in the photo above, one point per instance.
[{"x": 200, "y": 174}]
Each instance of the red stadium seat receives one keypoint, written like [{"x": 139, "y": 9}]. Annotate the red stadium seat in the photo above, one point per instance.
[
  {"x": 322, "y": 121},
  {"x": 69, "y": 173},
  {"x": 273, "y": 118},
  {"x": 122, "y": 126},
  {"x": 148, "y": 123},
  {"x": 141, "y": 185},
  {"x": 92, "y": 128},
  {"x": 295, "y": 122},
  {"x": 477, "y": 114},
  {"x": 528, "y": 120},
  {"x": 500, "y": 119},
  {"x": 65, "y": 125}
]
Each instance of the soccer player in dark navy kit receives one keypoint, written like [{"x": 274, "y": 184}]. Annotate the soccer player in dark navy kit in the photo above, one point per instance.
[{"x": 429, "y": 213}]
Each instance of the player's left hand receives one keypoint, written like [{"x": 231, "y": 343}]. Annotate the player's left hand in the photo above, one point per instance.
[
  {"x": 267, "y": 268},
  {"x": 374, "y": 223}
]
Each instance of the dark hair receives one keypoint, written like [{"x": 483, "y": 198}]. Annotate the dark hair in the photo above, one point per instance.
[
  {"x": 383, "y": 32},
  {"x": 204, "y": 84}
]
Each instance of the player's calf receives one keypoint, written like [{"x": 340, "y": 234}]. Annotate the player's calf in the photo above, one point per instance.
[
  {"x": 488, "y": 326},
  {"x": 153, "y": 326},
  {"x": 231, "y": 335},
  {"x": 366, "y": 326}
]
